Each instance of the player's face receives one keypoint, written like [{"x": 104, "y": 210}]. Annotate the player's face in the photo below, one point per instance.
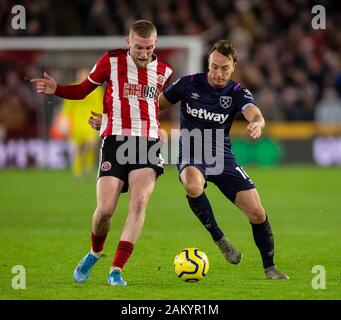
[
  {"x": 141, "y": 49},
  {"x": 220, "y": 69}
]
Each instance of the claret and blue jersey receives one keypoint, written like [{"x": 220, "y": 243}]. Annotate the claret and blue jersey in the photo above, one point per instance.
[{"x": 205, "y": 108}]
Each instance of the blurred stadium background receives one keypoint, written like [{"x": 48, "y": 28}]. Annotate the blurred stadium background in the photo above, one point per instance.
[{"x": 294, "y": 72}]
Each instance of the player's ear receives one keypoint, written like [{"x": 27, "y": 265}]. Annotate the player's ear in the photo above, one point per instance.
[
  {"x": 127, "y": 42},
  {"x": 208, "y": 62}
]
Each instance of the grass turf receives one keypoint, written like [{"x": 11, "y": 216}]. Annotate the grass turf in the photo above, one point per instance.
[{"x": 46, "y": 222}]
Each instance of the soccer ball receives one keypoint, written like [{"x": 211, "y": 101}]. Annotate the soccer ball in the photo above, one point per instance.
[{"x": 191, "y": 264}]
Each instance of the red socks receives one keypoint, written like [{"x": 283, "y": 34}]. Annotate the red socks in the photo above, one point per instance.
[
  {"x": 123, "y": 252},
  {"x": 97, "y": 242}
]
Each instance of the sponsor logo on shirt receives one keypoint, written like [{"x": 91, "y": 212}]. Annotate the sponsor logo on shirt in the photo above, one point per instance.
[
  {"x": 140, "y": 91},
  {"x": 206, "y": 115}
]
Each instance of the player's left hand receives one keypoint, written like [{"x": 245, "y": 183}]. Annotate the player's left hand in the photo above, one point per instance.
[
  {"x": 95, "y": 120},
  {"x": 255, "y": 129}
]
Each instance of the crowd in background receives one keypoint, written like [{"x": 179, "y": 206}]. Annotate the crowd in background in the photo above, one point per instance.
[{"x": 293, "y": 70}]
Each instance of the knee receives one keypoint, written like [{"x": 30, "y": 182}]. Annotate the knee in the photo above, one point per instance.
[
  {"x": 256, "y": 214},
  {"x": 104, "y": 212},
  {"x": 193, "y": 189}
]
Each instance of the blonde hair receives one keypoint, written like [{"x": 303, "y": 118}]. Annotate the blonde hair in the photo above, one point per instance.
[{"x": 143, "y": 28}]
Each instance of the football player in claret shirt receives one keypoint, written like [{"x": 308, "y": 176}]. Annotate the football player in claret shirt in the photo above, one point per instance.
[
  {"x": 209, "y": 103},
  {"x": 134, "y": 79}
]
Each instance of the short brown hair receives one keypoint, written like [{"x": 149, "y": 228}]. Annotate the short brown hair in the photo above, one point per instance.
[
  {"x": 226, "y": 48},
  {"x": 143, "y": 28}
]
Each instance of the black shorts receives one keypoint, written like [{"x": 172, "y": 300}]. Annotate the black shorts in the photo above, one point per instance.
[
  {"x": 121, "y": 154},
  {"x": 230, "y": 181}
]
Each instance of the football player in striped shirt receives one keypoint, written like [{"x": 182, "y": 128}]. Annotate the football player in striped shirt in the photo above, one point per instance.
[{"x": 130, "y": 153}]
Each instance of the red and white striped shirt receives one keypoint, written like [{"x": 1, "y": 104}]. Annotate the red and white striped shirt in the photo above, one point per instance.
[{"x": 131, "y": 99}]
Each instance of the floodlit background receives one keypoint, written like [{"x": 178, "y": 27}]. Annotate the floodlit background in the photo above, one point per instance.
[
  {"x": 292, "y": 69},
  {"x": 289, "y": 61}
]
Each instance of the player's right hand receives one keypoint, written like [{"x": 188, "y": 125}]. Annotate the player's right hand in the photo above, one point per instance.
[
  {"x": 47, "y": 85},
  {"x": 95, "y": 120}
]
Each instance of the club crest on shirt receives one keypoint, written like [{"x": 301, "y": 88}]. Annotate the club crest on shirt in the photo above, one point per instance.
[
  {"x": 225, "y": 101},
  {"x": 160, "y": 79},
  {"x": 106, "y": 166}
]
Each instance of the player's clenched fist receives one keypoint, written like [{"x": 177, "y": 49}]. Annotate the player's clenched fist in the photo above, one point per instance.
[
  {"x": 95, "y": 120},
  {"x": 47, "y": 85}
]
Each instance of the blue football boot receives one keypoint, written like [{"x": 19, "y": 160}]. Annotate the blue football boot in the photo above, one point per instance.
[
  {"x": 84, "y": 267},
  {"x": 115, "y": 278}
]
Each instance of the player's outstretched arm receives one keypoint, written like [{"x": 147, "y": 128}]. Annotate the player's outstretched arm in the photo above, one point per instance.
[
  {"x": 256, "y": 121},
  {"x": 73, "y": 92},
  {"x": 95, "y": 120},
  {"x": 46, "y": 85}
]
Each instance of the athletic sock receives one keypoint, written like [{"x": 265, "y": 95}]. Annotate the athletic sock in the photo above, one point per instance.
[
  {"x": 97, "y": 243},
  {"x": 202, "y": 209},
  {"x": 264, "y": 240},
  {"x": 123, "y": 252}
]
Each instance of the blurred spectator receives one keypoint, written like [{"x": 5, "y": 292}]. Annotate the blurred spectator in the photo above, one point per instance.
[
  {"x": 268, "y": 103},
  {"x": 72, "y": 123},
  {"x": 290, "y": 104},
  {"x": 2, "y": 106},
  {"x": 17, "y": 109},
  {"x": 279, "y": 51},
  {"x": 13, "y": 117},
  {"x": 328, "y": 110}
]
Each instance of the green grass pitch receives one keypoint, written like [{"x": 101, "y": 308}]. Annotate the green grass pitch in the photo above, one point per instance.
[{"x": 45, "y": 221}]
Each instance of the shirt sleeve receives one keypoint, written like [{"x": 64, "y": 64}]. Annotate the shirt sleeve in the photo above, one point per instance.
[
  {"x": 176, "y": 91},
  {"x": 168, "y": 80},
  {"x": 75, "y": 91},
  {"x": 100, "y": 71},
  {"x": 245, "y": 100}
]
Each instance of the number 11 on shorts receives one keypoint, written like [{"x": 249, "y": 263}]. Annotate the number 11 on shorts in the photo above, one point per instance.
[{"x": 242, "y": 172}]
